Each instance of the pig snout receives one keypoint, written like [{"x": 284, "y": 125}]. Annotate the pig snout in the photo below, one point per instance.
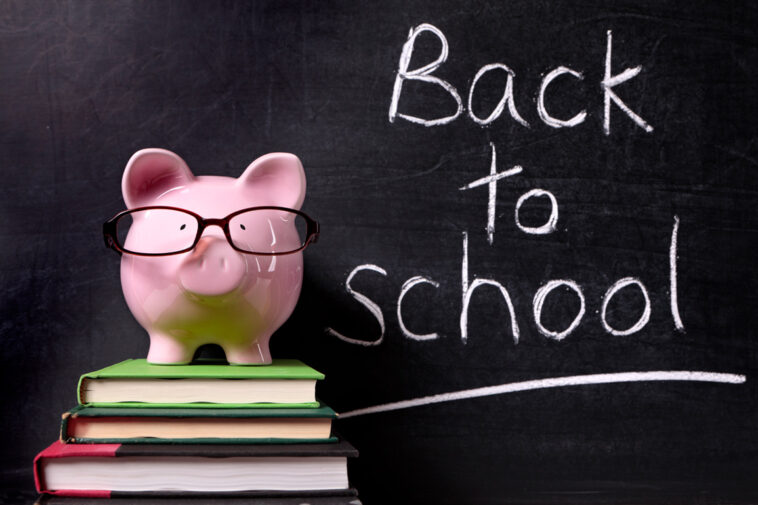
[{"x": 213, "y": 268}]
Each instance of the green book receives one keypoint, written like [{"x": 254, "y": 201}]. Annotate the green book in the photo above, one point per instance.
[
  {"x": 129, "y": 425},
  {"x": 208, "y": 384}
]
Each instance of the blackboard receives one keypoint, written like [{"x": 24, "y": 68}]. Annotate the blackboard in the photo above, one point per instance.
[{"x": 636, "y": 120}]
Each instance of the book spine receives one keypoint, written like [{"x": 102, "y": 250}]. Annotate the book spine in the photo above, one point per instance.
[
  {"x": 60, "y": 450},
  {"x": 38, "y": 474},
  {"x": 80, "y": 390},
  {"x": 64, "y": 436}
]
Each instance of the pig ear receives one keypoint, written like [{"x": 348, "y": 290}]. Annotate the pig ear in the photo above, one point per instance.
[
  {"x": 276, "y": 179},
  {"x": 150, "y": 173}
]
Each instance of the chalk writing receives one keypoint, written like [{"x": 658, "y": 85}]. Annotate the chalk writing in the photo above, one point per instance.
[
  {"x": 552, "y": 221},
  {"x": 491, "y": 182},
  {"x": 547, "y": 118},
  {"x": 673, "y": 277},
  {"x": 557, "y": 76},
  {"x": 644, "y": 318},
  {"x": 506, "y": 98},
  {"x": 375, "y": 310},
  {"x": 407, "y": 287},
  {"x": 609, "y": 81},
  {"x": 424, "y": 74},
  {"x": 539, "y": 300},
  {"x": 467, "y": 289}
]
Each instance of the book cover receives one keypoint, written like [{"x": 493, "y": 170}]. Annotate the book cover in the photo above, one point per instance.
[
  {"x": 106, "y": 470},
  {"x": 84, "y": 424},
  {"x": 210, "y": 384}
]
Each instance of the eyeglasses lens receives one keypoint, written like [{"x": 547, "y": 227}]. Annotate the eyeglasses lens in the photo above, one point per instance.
[
  {"x": 156, "y": 231},
  {"x": 268, "y": 231}
]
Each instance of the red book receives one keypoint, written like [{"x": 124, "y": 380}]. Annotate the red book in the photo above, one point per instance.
[{"x": 105, "y": 470}]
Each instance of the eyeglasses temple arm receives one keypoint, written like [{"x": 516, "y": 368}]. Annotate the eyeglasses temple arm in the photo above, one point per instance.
[
  {"x": 316, "y": 231},
  {"x": 110, "y": 243}
]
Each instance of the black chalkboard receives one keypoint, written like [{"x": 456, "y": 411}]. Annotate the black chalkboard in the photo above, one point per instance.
[{"x": 637, "y": 120}]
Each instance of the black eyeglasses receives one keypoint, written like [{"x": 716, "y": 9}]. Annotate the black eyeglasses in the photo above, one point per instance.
[{"x": 162, "y": 231}]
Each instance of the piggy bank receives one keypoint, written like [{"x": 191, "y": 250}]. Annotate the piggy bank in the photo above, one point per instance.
[{"x": 210, "y": 259}]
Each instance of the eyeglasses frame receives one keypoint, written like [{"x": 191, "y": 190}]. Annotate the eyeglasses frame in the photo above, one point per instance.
[{"x": 110, "y": 231}]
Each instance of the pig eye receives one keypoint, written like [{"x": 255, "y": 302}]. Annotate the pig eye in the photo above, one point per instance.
[
  {"x": 243, "y": 226},
  {"x": 182, "y": 226}
]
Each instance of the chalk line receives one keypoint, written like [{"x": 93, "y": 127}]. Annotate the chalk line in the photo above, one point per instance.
[{"x": 554, "y": 382}]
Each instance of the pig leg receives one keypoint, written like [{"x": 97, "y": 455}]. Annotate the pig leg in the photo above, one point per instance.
[
  {"x": 255, "y": 353},
  {"x": 167, "y": 350}
]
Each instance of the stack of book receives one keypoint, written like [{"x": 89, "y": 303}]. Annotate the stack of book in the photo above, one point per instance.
[{"x": 201, "y": 429}]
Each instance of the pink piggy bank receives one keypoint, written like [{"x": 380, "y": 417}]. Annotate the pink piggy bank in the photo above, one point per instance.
[{"x": 211, "y": 259}]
